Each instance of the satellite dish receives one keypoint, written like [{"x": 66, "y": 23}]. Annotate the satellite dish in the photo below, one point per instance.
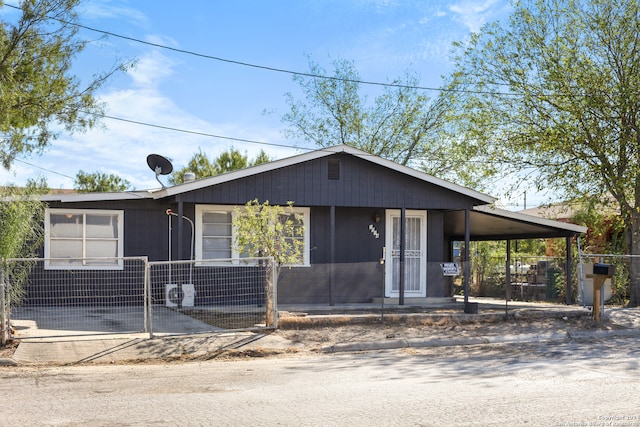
[{"x": 160, "y": 165}]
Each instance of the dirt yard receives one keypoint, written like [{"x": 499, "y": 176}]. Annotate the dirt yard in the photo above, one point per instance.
[
  {"x": 312, "y": 339},
  {"x": 316, "y": 337}
]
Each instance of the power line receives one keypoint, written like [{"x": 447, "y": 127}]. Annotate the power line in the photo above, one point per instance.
[
  {"x": 251, "y": 141},
  {"x": 300, "y": 73},
  {"x": 200, "y": 133},
  {"x": 183, "y": 51},
  {"x": 44, "y": 169},
  {"x": 211, "y": 135},
  {"x": 268, "y": 68}
]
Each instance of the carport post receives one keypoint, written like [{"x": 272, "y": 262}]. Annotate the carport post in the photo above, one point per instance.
[
  {"x": 467, "y": 263},
  {"x": 569, "y": 298},
  {"x": 507, "y": 291}
]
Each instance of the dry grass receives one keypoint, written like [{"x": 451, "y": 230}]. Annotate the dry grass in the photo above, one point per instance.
[{"x": 8, "y": 349}]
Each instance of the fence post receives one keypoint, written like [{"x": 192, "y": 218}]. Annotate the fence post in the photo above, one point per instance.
[
  {"x": 3, "y": 309},
  {"x": 148, "y": 310},
  {"x": 275, "y": 295},
  {"x": 269, "y": 297}
]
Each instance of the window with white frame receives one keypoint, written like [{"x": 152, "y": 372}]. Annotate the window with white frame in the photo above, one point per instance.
[
  {"x": 84, "y": 238},
  {"x": 214, "y": 232}
]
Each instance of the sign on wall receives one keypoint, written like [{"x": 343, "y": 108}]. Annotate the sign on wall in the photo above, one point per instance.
[{"x": 450, "y": 268}]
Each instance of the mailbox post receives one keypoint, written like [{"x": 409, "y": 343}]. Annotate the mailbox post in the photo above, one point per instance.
[{"x": 601, "y": 272}]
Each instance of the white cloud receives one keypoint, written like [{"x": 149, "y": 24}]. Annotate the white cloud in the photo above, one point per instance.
[
  {"x": 101, "y": 9},
  {"x": 151, "y": 69},
  {"x": 474, "y": 14},
  {"x": 121, "y": 147}
]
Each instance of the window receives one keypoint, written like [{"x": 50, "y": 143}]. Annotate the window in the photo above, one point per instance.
[
  {"x": 297, "y": 218},
  {"x": 214, "y": 232},
  {"x": 83, "y": 239},
  {"x": 216, "y": 235}
]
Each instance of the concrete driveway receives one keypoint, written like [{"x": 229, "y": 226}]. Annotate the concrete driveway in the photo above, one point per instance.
[{"x": 40, "y": 322}]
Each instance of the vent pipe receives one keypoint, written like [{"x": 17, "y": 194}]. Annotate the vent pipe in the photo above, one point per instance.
[{"x": 188, "y": 177}]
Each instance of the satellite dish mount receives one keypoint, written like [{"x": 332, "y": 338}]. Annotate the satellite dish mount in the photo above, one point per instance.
[{"x": 160, "y": 166}]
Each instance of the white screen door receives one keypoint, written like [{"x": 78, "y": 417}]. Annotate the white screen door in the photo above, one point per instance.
[{"x": 415, "y": 254}]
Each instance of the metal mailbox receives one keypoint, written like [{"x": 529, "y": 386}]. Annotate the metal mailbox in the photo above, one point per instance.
[
  {"x": 604, "y": 269},
  {"x": 601, "y": 272}
]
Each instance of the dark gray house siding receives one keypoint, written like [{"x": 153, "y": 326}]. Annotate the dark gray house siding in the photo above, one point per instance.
[
  {"x": 346, "y": 269},
  {"x": 361, "y": 184},
  {"x": 345, "y": 190},
  {"x": 361, "y": 190}
]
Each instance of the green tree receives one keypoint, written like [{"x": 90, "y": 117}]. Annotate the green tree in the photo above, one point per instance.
[
  {"x": 554, "y": 97},
  {"x": 401, "y": 124},
  {"x": 228, "y": 161},
  {"x": 200, "y": 165},
  {"x": 264, "y": 230},
  {"x": 99, "y": 182},
  {"x": 37, "y": 87},
  {"x": 261, "y": 158},
  {"x": 21, "y": 222}
]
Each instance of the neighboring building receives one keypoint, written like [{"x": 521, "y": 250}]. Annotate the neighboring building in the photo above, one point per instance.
[
  {"x": 600, "y": 233},
  {"x": 357, "y": 209}
]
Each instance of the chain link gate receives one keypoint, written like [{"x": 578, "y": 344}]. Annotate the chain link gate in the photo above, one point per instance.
[
  {"x": 73, "y": 297},
  {"x": 210, "y": 296}
]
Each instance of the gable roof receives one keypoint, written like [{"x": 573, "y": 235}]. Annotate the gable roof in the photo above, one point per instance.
[
  {"x": 312, "y": 155},
  {"x": 277, "y": 164}
]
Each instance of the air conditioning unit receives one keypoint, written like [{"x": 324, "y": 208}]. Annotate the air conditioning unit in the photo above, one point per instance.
[
  {"x": 180, "y": 296},
  {"x": 172, "y": 295}
]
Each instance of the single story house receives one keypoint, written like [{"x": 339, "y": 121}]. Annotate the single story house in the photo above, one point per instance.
[{"x": 357, "y": 209}]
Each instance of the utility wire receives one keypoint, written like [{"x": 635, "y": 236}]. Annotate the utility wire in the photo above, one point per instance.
[
  {"x": 241, "y": 63},
  {"x": 251, "y": 141},
  {"x": 193, "y": 132},
  {"x": 268, "y": 68},
  {"x": 44, "y": 169},
  {"x": 300, "y": 73}
]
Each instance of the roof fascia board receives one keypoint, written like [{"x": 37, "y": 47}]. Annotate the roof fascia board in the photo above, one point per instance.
[
  {"x": 516, "y": 216},
  {"x": 96, "y": 197}
]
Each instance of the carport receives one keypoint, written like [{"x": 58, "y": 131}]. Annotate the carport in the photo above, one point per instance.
[{"x": 488, "y": 223}]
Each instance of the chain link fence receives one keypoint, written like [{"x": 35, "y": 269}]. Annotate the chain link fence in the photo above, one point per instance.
[
  {"x": 544, "y": 278},
  {"x": 71, "y": 297},
  {"x": 531, "y": 278}
]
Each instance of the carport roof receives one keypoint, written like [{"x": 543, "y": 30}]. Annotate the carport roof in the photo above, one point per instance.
[{"x": 490, "y": 223}]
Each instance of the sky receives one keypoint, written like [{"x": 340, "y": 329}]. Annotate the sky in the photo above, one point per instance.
[{"x": 220, "y": 102}]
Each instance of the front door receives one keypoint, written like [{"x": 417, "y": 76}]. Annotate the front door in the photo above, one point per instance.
[{"x": 415, "y": 254}]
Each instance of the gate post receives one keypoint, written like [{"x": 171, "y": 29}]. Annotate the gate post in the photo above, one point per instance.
[
  {"x": 271, "y": 277},
  {"x": 3, "y": 309},
  {"x": 148, "y": 314}
]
